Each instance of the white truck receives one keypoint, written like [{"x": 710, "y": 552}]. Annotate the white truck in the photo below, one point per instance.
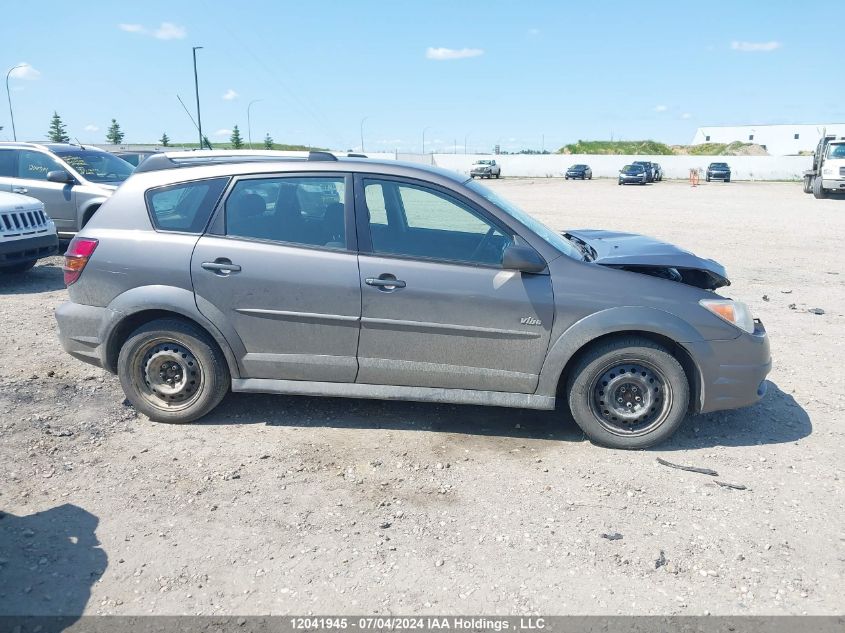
[
  {"x": 828, "y": 172},
  {"x": 26, "y": 233}
]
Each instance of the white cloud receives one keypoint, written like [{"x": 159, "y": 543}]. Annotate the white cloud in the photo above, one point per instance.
[
  {"x": 230, "y": 95},
  {"x": 686, "y": 115},
  {"x": 755, "y": 47},
  {"x": 170, "y": 31},
  {"x": 661, "y": 108},
  {"x": 25, "y": 71},
  {"x": 167, "y": 30},
  {"x": 223, "y": 132},
  {"x": 441, "y": 54},
  {"x": 91, "y": 128}
]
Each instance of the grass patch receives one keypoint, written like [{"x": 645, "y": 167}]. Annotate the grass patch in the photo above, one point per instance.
[{"x": 617, "y": 147}]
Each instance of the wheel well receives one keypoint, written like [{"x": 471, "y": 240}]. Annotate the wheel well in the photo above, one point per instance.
[
  {"x": 89, "y": 212},
  {"x": 677, "y": 350},
  {"x": 124, "y": 330}
]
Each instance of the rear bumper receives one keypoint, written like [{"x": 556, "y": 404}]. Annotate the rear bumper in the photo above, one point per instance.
[
  {"x": 83, "y": 331},
  {"x": 28, "y": 249},
  {"x": 733, "y": 372}
]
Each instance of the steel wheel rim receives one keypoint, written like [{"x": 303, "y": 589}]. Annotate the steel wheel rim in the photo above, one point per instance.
[
  {"x": 169, "y": 376},
  {"x": 630, "y": 397}
]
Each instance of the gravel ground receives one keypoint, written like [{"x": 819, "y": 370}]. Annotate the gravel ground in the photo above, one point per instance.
[{"x": 292, "y": 504}]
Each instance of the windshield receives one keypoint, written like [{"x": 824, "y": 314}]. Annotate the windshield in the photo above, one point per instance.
[
  {"x": 97, "y": 166},
  {"x": 484, "y": 162},
  {"x": 578, "y": 167},
  {"x": 632, "y": 169},
  {"x": 555, "y": 239},
  {"x": 718, "y": 165},
  {"x": 836, "y": 151}
]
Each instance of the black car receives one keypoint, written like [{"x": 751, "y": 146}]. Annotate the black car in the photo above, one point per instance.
[
  {"x": 658, "y": 172},
  {"x": 649, "y": 169},
  {"x": 579, "y": 171},
  {"x": 718, "y": 171},
  {"x": 634, "y": 173}
]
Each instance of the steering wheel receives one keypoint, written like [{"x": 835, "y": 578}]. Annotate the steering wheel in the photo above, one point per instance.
[{"x": 483, "y": 244}]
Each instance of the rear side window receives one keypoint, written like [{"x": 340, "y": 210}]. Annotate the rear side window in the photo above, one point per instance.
[{"x": 184, "y": 207}]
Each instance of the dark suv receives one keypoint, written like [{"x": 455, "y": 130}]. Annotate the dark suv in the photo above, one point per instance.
[
  {"x": 372, "y": 279},
  {"x": 718, "y": 171},
  {"x": 648, "y": 166}
]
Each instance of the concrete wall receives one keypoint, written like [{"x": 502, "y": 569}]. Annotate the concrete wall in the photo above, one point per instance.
[{"x": 555, "y": 165}]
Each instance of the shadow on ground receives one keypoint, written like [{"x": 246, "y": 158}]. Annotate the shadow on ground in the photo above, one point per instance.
[
  {"x": 778, "y": 418},
  {"x": 45, "y": 277},
  {"x": 50, "y": 560}
]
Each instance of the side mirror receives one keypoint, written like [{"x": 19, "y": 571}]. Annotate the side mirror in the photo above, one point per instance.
[
  {"x": 522, "y": 258},
  {"x": 59, "y": 175}
]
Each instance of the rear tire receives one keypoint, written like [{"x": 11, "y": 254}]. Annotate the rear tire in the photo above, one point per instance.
[
  {"x": 15, "y": 269},
  {"x": 628, "y": 393},
  {"x": 498, "y": 175},
  {"x": 172, "y": 371},
  {"x": 808, "y": 184},
  {"x": 818, "y": 191}
]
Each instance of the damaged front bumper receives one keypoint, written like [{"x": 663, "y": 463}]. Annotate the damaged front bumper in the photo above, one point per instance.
[{"x": 732, "y": 372}]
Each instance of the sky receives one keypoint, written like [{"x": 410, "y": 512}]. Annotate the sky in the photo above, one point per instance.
[{"x": 525, "y": 75}]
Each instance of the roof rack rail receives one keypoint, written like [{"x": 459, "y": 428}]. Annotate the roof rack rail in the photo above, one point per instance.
[
  {"x": 316, "y": 155},
  {"x": 166, "y": 160}
]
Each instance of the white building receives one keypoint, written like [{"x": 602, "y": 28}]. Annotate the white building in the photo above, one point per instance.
[{"x": 779, "y": 140}]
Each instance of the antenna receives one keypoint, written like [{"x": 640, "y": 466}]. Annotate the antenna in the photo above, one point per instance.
[{"x": 192, "y": 121}]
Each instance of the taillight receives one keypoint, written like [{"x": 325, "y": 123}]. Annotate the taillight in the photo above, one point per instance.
[{"x": 76, "y": 256}]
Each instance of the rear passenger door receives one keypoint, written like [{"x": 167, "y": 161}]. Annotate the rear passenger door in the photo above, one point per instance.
[{"x": 278, "y": 268}]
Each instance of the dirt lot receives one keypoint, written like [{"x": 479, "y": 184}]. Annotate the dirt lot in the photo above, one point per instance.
[{"x": 292, "y": 504}]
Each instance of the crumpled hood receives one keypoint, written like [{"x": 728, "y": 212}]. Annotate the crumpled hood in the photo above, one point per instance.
[{"x": 640, "y": 253}]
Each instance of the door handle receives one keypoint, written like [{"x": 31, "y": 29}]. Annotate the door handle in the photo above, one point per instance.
[
  {"x": 385, "y": 282},
  {"x": 222, "y": 266},
  {"x": 20, "y": 190}
]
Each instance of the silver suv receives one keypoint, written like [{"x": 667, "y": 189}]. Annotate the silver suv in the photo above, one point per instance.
[
  {"x": 71, "y": 180},
  {"x": 370, "y": 279}
]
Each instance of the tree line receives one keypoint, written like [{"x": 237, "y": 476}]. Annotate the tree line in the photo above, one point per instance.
[{"x": 114, "y": 135}]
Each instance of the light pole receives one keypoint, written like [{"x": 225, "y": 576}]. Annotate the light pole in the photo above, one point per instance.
[
  {"x": 9, "y": 97},
  {"x": 465, "y": 143},
  {"x": 362, "y": 133},
  {"x": 423, "y": 138},
  {"x": 197, "y": 90},
  {"x": 248, "y": 123}
]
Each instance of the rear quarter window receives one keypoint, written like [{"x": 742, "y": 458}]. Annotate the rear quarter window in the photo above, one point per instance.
[{"x": 184, "y": 207}]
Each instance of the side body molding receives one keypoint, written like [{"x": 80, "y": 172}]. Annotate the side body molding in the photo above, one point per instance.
[{"x": 597, "y": 324}]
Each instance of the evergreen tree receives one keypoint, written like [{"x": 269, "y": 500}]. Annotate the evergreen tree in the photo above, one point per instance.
[
  {"x": 236, "y": 140},
  {"x": 268, "y": 141},
  {"x": 57, "y": 133},
  {"x": 114, "y": 135},
  {"x": 164, "y": 140}
]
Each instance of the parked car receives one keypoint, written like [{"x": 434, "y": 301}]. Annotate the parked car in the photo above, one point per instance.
[
  {"x": 649, "y": 169},
  {"x": 658, "y": 172},
  {"x": 485, "y": 168},
  {"x": 579, "y": 171},
  {"x": 26, "y": 233},
  {"x": 633, "y": 174},
  {"x": 134, "y": 158},
  {"x": 71, "y": 180},
  {"x": 358, "y": 299},
  {"x": 718, "y": 171}
]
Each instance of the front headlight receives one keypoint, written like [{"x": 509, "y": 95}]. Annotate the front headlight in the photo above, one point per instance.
[{"x": 734, "y": 312}]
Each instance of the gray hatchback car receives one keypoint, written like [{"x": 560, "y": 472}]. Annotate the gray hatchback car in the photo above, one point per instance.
[{"x": 352, "y": 277}]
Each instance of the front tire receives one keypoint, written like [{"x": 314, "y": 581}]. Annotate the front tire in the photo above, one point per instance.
[
  {"x": 628, "y": 393},
  {"x": 172, "y": 371},
  {"x": 818, "y": 191}
]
